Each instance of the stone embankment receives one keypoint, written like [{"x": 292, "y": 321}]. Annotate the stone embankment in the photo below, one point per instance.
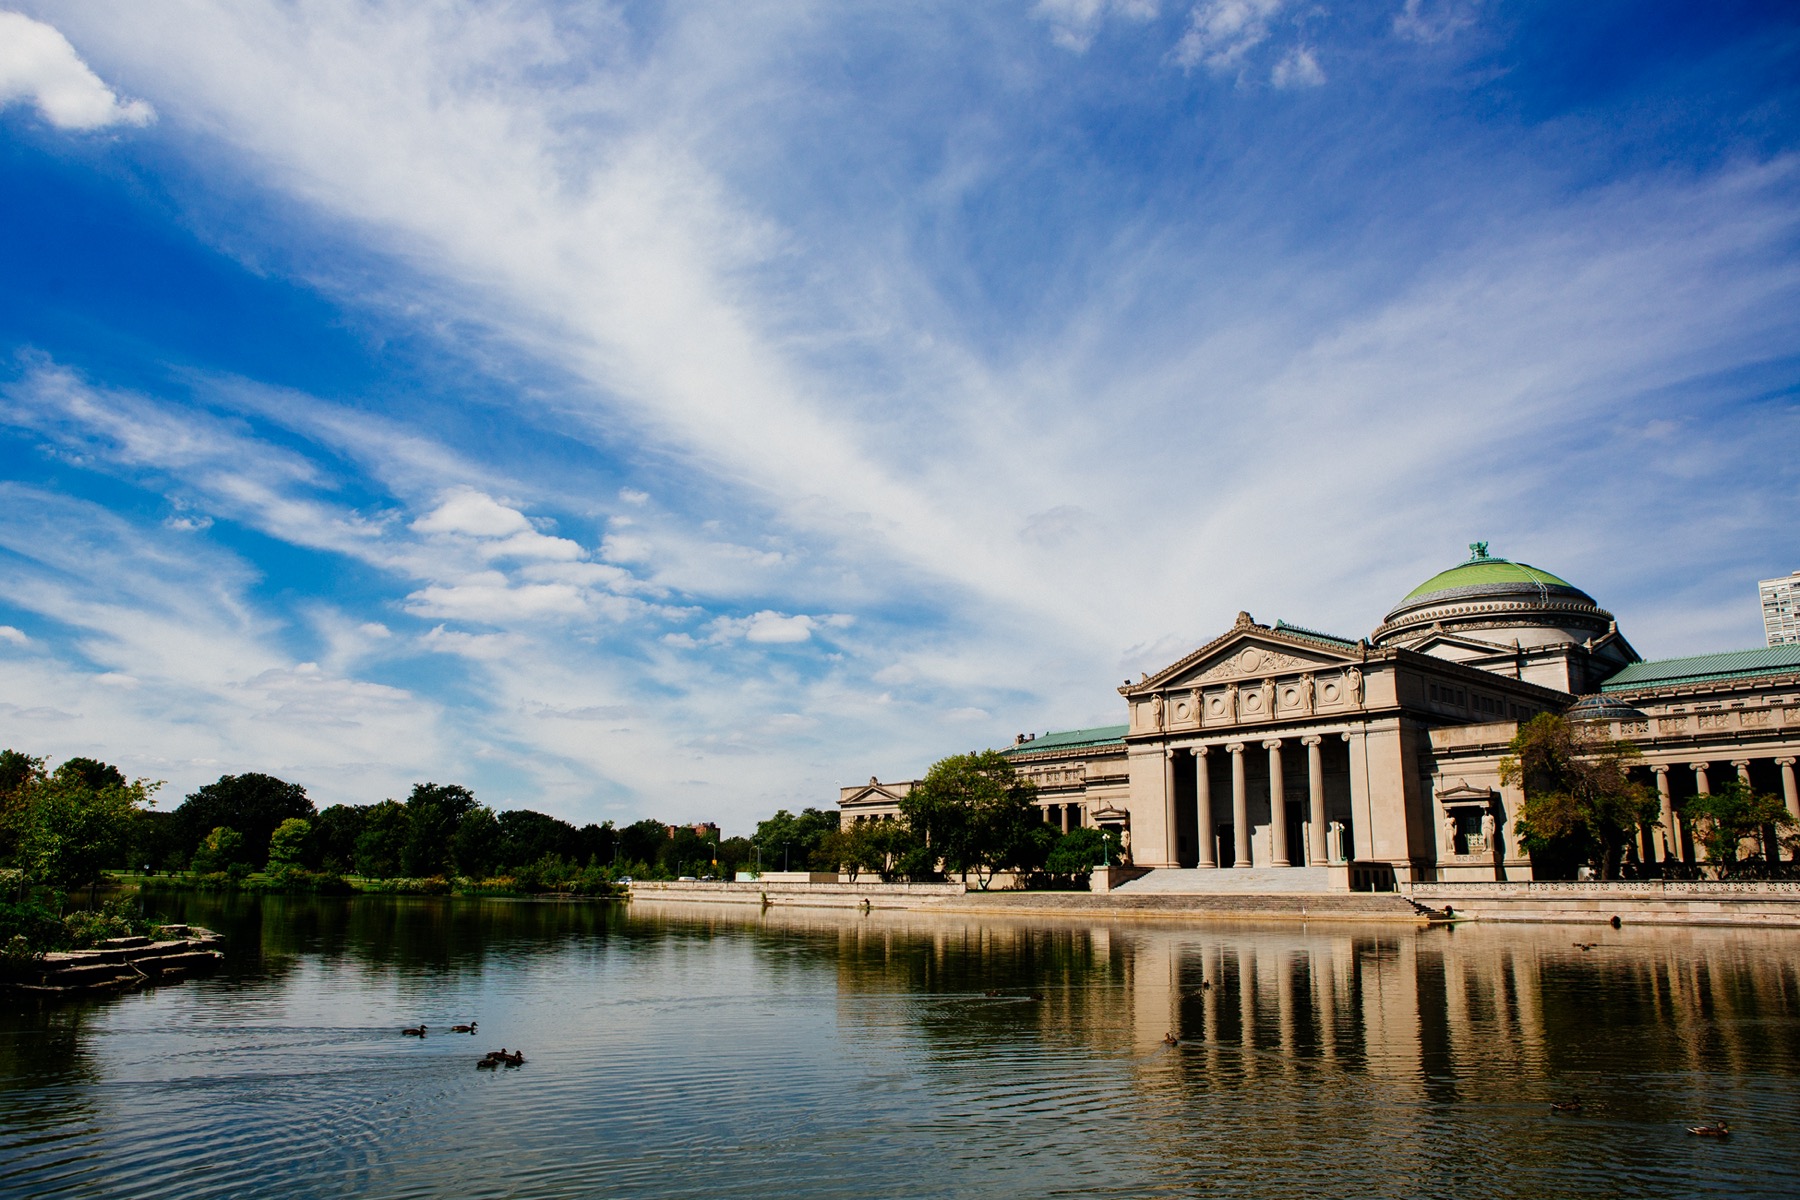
[
  {"x": 119, "y": 964},
  {"x": 953, "y": 898},
  {"x": 1768, "y": 904}
]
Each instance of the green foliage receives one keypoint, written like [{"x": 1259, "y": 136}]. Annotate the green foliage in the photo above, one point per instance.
[
  {"x": 475, "y": 846},
  {"x": 974, "y": 815},
  {"x": 69, "y": 825},
  {"x": 253, "y": 804},
  {"x": 288, "y": 845},
  {"x": 796, "y": 843},
  {"x": 1077, "y": 852},
  {"x": 335, "y": 831},
  {"x": 221, "y": 852},
  {"x": 433, "y": 812},
  {"x": 382, "y": 840},
  {"x": 30, "y": 928},
  {"x": 1580, "y": 805},
  {"x": 1733, "y": 815}
]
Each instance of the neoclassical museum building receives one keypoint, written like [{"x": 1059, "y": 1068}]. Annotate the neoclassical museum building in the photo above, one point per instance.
[{"x": 1362, "y": 763}]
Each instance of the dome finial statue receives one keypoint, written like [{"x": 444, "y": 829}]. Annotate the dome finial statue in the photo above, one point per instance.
[{"x": 1477, "y": 551}]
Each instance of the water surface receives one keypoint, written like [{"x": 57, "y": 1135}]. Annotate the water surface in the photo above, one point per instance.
[{"x": 675, "y": 1051}]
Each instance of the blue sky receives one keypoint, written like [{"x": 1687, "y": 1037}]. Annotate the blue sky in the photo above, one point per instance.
[{"x": 681, "y": 410}]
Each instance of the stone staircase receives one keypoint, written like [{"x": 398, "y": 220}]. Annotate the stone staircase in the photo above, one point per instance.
[
  {"x": 1230, "y": 881},
  {"x": 118, "y": 964}
]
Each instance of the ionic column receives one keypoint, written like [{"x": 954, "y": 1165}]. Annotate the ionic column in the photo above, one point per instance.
[
  {"x": 1171, "y": 846},
  {"x": 1701, "y": 783},
  {"x": 1743, "y": 770},
  {"x": 1790, "y": 794},
  {"x": 1315, "y": 794},
  {"x": 1065, "y": 817},
  {"x": 1203, "y": 806},
  {"x": 1278, "y": 846},
  {"x": 1671, "y": 841},
  {"x": 1240, "y": 806}
]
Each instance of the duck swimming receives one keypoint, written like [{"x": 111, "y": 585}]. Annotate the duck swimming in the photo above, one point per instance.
[
  {"x": 469, "y": 1028},
  {"x": 1571, "y": 1105},
  {"x": 414, "y": 1031},
  {"x": 1717, "y": 1129}
]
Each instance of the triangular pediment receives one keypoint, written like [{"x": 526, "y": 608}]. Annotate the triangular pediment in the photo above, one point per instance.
[
  {"x": 873, "y": 793},
  {"x": 1248, "y": 652}
]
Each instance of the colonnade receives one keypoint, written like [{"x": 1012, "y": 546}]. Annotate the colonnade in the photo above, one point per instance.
[
  {"x": 1315, "y": 852},
  {"x": 1068, "y": 816},
  {"x": 1671, "y": 835}
]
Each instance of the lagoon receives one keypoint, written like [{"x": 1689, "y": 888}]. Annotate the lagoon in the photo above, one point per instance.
[{"x": 674, "y": 1051}]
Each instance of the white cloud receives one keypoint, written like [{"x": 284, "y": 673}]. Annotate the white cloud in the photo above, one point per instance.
[
  {"x": 13, "y": 637},
  {"x": 466, "y": 510},
  {"x": 38, "y": 66},
  {"x": 1073, "y": 23},
  {"x": 1299, "y": 67},
  {"x": 1221, "y": 32}
]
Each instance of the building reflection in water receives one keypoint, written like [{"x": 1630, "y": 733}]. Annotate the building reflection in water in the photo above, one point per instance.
[{"x": 1406, "y": 1059}]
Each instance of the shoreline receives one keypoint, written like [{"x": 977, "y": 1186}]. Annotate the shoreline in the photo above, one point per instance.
[{"x": 1740, "y": 906}]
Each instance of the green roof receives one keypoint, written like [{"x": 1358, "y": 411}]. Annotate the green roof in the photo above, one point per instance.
[
  {"x": 1483, "y": 571},
  {"x": 1701, "y": 668},
  {"x": 1070, "y": 739},
  {"x": 1314, "y": 635}
]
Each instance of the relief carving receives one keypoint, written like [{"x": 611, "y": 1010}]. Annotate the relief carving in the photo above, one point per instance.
[{"x": 1253, "y": 660}]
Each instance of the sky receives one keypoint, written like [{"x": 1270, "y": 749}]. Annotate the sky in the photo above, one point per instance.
[{"x": 683, "y": 410}]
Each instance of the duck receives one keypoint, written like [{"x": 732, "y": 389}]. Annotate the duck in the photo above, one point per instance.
[
  {"x": 501, "y": 1058},
  {"x": 1571, "y": 1105},
  {"x": 414, "y": 1031},
  {"x": 487, "y": 1064},
  {"x": 1718, "y": 1129},
  {"x": 469, "y": 1028},
  {"x": 1169, "y": 1039},
  {"x": 991, "y": 993}
]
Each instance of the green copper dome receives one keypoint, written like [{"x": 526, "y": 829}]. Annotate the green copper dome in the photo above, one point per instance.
[{"x": 1484, "y": 571}]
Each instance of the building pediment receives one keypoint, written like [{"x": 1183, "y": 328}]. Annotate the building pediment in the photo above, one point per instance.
[
  {"x": 1247, "y": 651},
  {"x": 1252, "y": 674}
]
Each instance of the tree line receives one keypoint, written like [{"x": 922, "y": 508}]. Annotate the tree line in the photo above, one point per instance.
[
  {"x": 62, "y": 827},
  {"x": 971, "y": 816}
]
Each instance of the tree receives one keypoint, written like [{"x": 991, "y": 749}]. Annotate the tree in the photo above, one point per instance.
[
  {"x": 974, "y": 814},
  {"x": 1079, "y": 851},
  {"x": 383, "y": 838},
  {"x": 18, "y": 772},
  {"x": 1580, "y": 804},
  {"x": 253, "y": 804},
  {"x": 476, "y": 845},
  {"x": 527, "y": 836},
  {"x": 289, "y": 844},
  {"x": 222, "y": 849},
  {"x": 334, "y": 837},
  {"x": 796, "y": 842},
  {"x": 76, "y": 821},
  {"x": 433, "y": 812},
  {"x": 1732, "y": 815}
]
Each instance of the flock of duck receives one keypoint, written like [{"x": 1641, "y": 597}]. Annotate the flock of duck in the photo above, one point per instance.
[{"x": 494, "y": 1058}]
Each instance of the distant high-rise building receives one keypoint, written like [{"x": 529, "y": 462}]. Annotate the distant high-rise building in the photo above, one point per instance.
[{"x": 1781, "y": 609}]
